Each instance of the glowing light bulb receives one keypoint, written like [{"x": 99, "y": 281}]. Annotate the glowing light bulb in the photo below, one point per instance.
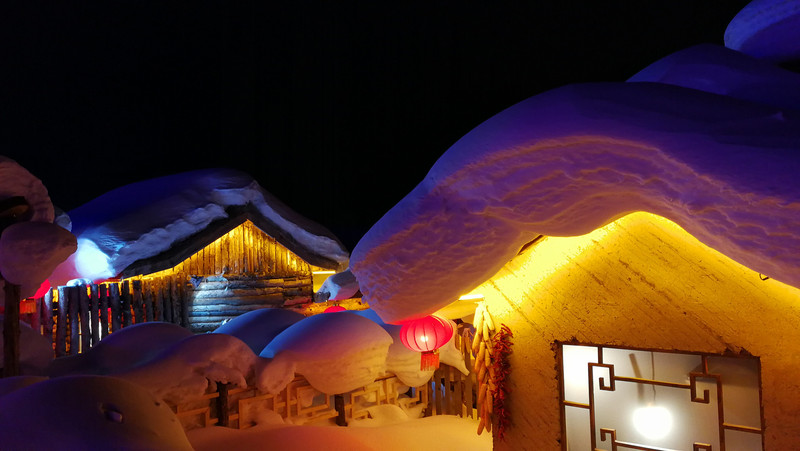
[
  {"x": 653, "y": 422},
  {"x": 423, "y": 338}
]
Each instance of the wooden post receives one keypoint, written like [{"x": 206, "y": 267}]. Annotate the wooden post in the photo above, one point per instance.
[
  {"x": 174, "y": 300},
  {"x": 94, "y": 309},
  {"x": 116, "y": 307},
  {"x": 61, "y": 323},
  {"x": 158, "y": 301},
  {"x": 136, "y": 302},
  {"x": 222, "y": 404},
  {"x": 11, "y": 330},
  {"x": 167, "y": 299},
  {"x": 126, "y": 304},
  {"x": 103, "y": 310},
  {"x": 47, "y": 315},
  {"x": 83, "y": 308},
  {"x": 468, "y": 398},
  {"x": 147, "y": 289},
  {"x": 73, "y": 299},
  {"x": 185, "y": 293},
  {"x": 338, "y": 404}
]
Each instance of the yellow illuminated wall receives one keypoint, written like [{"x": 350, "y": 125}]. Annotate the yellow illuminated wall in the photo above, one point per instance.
[
  {"x": 244, "y": 249},
  {"x": 640, "y": 282}
]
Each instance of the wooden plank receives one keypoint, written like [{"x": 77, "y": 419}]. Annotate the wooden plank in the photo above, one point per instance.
[
  {"x": 61, "y": 323},
  {"x": 83, "y": 309},
  {"x": 184, "y": 293},
  {"x": 174, "y": 301},
  {"x": 166, "y": 299},
  {"x": 73, "y": 318},
  {"x": 458, "y": 400},
  {"x": 149, "y": 314},
  {"x": 158, "y": 299},
  {"x": 103, "y": 310},
  {"x": 47, "y": 315},
  {"x": 447, "y": 402},
  {"x": 137, "y": 301},
  {"x": 468, "y": 386},
  {"x": 125, "y": 295},
  {"x": 115, "y": 302},
  {"x": 94, "y": 312},
  {"x": 11, "y": 331}
]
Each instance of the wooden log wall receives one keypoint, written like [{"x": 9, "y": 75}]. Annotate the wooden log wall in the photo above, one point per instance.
[
  {"x": 217, "y": 299},
  {"x": 243, "y": 250},
  {"x": 77, "y": 318}
]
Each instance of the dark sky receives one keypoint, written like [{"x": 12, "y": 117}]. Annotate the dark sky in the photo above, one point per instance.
[{"x": 337, "y": 108}]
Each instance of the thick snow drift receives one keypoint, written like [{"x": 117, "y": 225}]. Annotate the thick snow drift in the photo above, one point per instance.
[
  {"x": 719, "y": 70},
  {"x": 88, "y": 412},
  {"x": 29, "y": 251},
  {"x": 767, "y": 29},
  {"x": 35, "y": 350},
  {"x": 143, "y": 219},
  {"x": 336, "y": 352},
  {"x": 123, "y": 350},
  {"x": 257, "y": 328},
  {"x": 18, "y": 181},
  {"x": 575, "y": 158}
]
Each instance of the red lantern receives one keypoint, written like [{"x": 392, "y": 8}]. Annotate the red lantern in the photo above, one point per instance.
[
  {"x": 426, "y": 335},
  {"x": 334, "y": 308}
]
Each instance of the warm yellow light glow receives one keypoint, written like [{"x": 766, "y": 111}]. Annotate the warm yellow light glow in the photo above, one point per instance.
[
  {"x": 471, "y": 296},
  {"x": 323, "y": 272},
  {"x": 653, "y": 422},
  {"x": 423, "y": 338}
]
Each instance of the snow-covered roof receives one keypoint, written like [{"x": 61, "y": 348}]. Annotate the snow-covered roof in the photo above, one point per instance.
[
  {"x": 767, "y": 29},
  {"x": 570, "y": 160},
  {"x": 154, "y": 224}
]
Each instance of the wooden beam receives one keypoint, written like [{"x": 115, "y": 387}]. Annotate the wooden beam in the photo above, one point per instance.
[{"x": 11, "y": 330}]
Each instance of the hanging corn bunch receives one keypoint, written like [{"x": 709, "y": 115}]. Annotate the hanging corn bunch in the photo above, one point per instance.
[
  {"x": 491, "y": 348},
  {"x": 482, "y": 348}
]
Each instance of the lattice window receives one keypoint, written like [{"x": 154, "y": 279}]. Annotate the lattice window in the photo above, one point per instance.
[{"x": 616, "y": 399}]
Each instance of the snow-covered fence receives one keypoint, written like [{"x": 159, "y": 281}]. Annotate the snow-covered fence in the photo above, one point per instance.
[{"x": 298, "y": 403}]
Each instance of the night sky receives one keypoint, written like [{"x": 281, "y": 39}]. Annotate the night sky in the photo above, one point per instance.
[{"x": 337, "y": 108}]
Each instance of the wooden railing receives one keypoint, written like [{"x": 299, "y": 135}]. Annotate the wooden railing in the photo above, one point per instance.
[
  {"x": 448, "y": 392},
  {"x": 298, "y": 402}
]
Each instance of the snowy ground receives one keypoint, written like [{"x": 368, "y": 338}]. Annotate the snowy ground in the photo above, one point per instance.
[{"x": 438, "y": 433}]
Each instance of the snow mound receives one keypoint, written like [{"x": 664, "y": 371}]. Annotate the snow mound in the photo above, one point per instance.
[
  {"x": 339, "y": 286},
  {"x": 88, "y": 412},
  {"x": 405, "y": 363},
  {"x": 35, "y": 350},
  {"x": 121, "y": 351},
  {"x": 17, "y": 181},
  {"x": 184, "y": 371},
  {"x": 570, "y": 160},
  {"x": 29, "y": 251},
  {"x": 14, "y": 383},
  {"x": 722, "y": 71},
  {"x": 336, "y": 352},
  {"x": 144, "y": 219},
  {"x": 257, "y": 328},
  {"x": 767, "y": 29}
]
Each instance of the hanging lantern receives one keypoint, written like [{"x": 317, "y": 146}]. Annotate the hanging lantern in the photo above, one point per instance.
[
  {"x": 426, "y": 335},
  {"x": 334, "y": 308}
]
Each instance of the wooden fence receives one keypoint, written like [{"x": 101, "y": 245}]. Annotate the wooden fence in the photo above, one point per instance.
[
  {"x": 449, "y": 392},
  {"x": 77, "y": 318}
]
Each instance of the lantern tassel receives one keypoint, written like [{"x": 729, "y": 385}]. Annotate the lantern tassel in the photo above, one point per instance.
[{"x": 429, "y": 361}]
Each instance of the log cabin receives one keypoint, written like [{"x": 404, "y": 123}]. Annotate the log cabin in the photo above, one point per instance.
[{"x": 215, "y": 237}]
